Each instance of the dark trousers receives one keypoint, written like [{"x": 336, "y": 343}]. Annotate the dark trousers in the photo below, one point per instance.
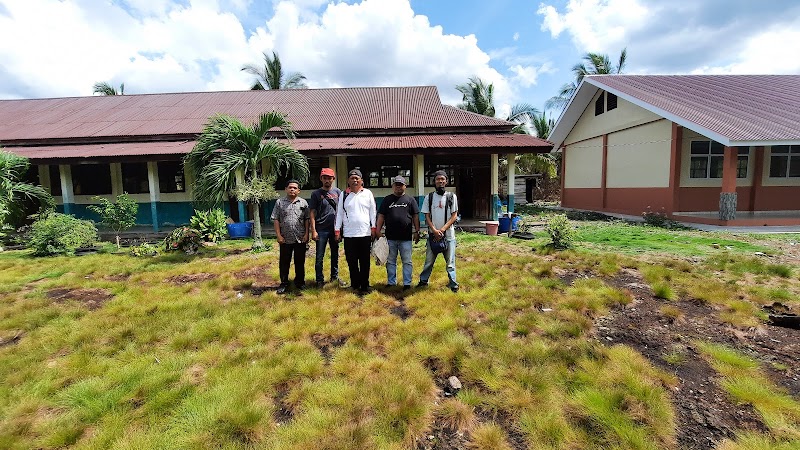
[
  {"x": 327, "y": 238},
  {"x": 356, "y": 252},
  {"x": 285, "y": 258}
]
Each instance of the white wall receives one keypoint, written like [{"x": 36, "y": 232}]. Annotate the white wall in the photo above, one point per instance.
[
  {"x": 584, "y": 164},
  {"x": 640, "y": 156},
  {"x": 625, "y": 115}
]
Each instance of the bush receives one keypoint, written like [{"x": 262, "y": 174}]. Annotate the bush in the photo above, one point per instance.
[
  {"x": 210, "y": 224},
  {"x": 144, "y": 250},
  {"x": 655, "y": 218},
  {"x": 57, "y": 234},
  {"x": 185, "y": 239},
  {"x": 561, "y": 231},
  {"x": 118, "y": 216}
]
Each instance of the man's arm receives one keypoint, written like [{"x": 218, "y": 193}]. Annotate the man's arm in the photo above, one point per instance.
[
  {"x": 415, "y": 221},
  {"x": 373, "y": 213},
  {"x": 379, "y": 223},
  {"x": 277, "y": 224},
  {"x": 337, "y": 227},
  {"x": 450, "y": 222},
  {"x": 313, "y": 221}
]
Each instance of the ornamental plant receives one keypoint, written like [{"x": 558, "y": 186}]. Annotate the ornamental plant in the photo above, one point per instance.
[
  {"x": 60, "y": 234},
  {"x": 561, "y": 231},
  {"x": 183, "y": 239},
  {"x": 211, "y": 224},
  {"x": 119, "y": 216}
]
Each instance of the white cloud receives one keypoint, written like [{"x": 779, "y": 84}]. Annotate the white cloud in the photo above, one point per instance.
[
  {"x": 596, "y": 25},
  {"x": 526, "y": 76},
  {"x": 516, "y": 36},
  {"x": 764, "y": 53}
]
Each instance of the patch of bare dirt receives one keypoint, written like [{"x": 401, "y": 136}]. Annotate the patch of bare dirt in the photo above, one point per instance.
[
  {"x": 117, "y": 277},
  {"x": 90, "y": 298},
  {"x": 705, "y": 413},
  {"x": 257, "y": 280},
  {"x": 283, "y": 412},
  {"x": 326, "y": 344},
  {"x": 191, "y": 278},
  {"x": 11, "y": 339},
  {"x": 400, "y": 310},
  {"x": 442, "y": 437}
]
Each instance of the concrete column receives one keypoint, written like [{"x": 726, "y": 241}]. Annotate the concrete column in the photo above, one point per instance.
[
  {"x": 332, "y": 163},
  {"x": 727, "y": 198},
  {"x": 242, "y": 209},
  {"x": 676, "y": 147},
  {"x": 67, "y": 194},
  {"x": 155, "y": 191},
  {"x": 604, "y": 172},
  {"x": 418, "y": 174},
  {"x": 512, "y": 169},
  {"x": 757, "y": 161},
  {"x": 44, "y": 177},
  {"x": 341, "y": 172},
  {"x": 116, "y": 179},
  {"x": 495, "y": 185}
]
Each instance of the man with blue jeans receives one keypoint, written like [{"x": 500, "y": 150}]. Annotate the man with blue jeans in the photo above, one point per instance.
[
  {"x": 323, "y": 205},
  {"x": 399, "y": 212},
  {"x": 441, "y": 212}
]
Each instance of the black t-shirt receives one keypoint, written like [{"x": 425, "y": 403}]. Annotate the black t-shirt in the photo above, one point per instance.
[
  {"x": 325, "y": 213},
  {"x": 397, "y": 214}
]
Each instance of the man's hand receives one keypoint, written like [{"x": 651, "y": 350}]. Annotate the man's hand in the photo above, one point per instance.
[
  {"x": 375, "y": 233},
  {"x": 305, "y": 238},
  {"x": 416, "y": 236},
  {"x": 315, "y": 235},
  {"x": 281, "y": 240},
  {"x": 438, "y": 233},
  {"x": 338, "y": 235}
]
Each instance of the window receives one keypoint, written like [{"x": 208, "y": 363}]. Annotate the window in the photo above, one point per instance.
[
  {"x": 784, "y": 161},
  {"x": 170, "y": 177},
  {"x": 134, "y": 178},
  {"x": 707, "y": 159},
  {"x": 55, "y": 180},
  {"x": 611, "y": 101},
  {"x": 379, "y": 171},
  {"x": 605, "y": 102},
  {"x": 599, "y": 105},
  {"x": 91, "y": 179},
  {"x": 449, "y": 170}
]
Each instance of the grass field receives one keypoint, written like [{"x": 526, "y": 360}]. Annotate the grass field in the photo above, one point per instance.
[{"x": 176, "y": 351}]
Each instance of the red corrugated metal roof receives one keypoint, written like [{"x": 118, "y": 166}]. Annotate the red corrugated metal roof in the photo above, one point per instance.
[
  {"x": 493, "y": 143},
  {"x": 317, "y": 110},
  {"x": 739, "y": 109}
]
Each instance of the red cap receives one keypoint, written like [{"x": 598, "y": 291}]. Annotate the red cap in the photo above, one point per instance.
[{"x": 328, "y": 171}]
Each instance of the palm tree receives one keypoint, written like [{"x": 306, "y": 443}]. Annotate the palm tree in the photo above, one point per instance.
[
  {"x": 542, "y": 126},
  {"x": 478, "y": 97},
  {"x": 593, "y": 64},
  {"x": 104, "y": 88},
  {"x": 13, "y": 191},
  {"x": 227, "y": 146},
  {"x": 271, "y": 76}
]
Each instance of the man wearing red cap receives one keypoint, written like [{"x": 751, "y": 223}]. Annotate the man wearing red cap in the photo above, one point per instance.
[{"x": 323, "y": 204}]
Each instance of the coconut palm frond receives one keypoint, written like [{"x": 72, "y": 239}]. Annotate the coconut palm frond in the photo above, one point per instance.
[
  {"x": 271, "y": 75},
  {"x": 542, "y": 125},
  {"x": 285, "y": 160},
  {"x": 104, "y": 88},
  {"x": 477, "y": 97},
  {"x": 272, "y": 120}
]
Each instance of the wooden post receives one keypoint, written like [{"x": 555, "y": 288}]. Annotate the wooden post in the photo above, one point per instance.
[
  {"x": 495, "y": 184},
  {"x": 727, "y": 198},
  {"x": 155, "y": 191}
]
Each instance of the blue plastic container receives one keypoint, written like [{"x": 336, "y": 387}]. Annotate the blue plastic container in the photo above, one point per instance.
[
  {"x": 240, "y": 230},
  {"x": 508, "y": 222}
]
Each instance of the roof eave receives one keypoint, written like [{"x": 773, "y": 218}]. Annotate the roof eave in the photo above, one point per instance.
[{"x": 572, "y": 113}]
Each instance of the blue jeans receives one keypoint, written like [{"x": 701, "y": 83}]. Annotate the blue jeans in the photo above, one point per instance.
[
  {"x": 405, "y": 248},
  {"x": 327, "y": 238},
  {"x": 449, "y": 258}
]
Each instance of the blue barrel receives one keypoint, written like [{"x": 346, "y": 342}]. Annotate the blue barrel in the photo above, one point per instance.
[
  {"x": 515, "y": 223},
  {"x": 505, "y": 224},
  {"x": 240, "y": 230}
]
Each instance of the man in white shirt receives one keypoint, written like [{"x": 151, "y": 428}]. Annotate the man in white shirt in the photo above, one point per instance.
[
  {"x": 355, "y": 221},
  {"x": 441, "y": 212}
]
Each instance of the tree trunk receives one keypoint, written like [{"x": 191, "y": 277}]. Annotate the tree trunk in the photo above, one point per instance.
[
  {"x": 118, "y": 246},
  {"x": 257, "y": 243}
]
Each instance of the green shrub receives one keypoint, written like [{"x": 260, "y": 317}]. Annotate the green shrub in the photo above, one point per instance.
[
  {"x": 561, "y": 231},
  {"x": 185, "y": 239},
  {"x": 119, "y": 215},
  {"x": 655, "y": 218},
  {"x": 211, "y": 224},
  {"x": 144, "y": 250},
  {"x": 57, "y": 234}
]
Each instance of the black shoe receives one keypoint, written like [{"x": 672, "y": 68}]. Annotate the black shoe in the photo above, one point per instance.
[
  {"x": 302, "y": 287},
  {"x": 406, "y": 287},
  {"x": 363, "y": 292},
  {"x": 281, "y": 289},
  {"x": 422, "y": 284},
  {"x": 320, "y": 284},
  {"x": 454, "y": 288}
]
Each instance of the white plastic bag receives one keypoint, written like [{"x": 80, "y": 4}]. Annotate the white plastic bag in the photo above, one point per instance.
[{"x": 380, "y": 250}]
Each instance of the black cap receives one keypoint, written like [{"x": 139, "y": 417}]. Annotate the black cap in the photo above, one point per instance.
[{"x": 354, "y": 172}]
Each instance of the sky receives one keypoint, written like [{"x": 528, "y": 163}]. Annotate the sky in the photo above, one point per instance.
[{"x": 526, "y": 49}]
